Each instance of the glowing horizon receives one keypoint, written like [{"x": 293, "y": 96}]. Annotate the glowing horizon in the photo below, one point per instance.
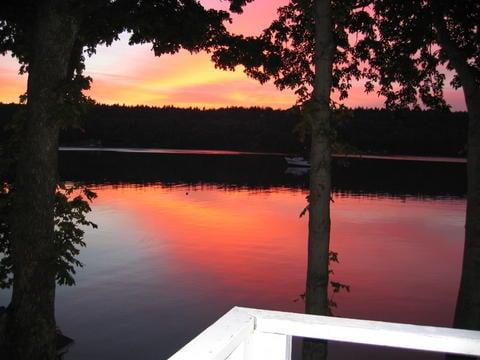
[{"x": 131, "y": 75}]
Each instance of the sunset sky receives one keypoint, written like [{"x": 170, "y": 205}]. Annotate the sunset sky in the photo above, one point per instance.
[{"x": 132, "y": 75}]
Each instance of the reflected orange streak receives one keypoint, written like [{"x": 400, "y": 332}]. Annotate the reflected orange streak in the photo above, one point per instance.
[
  {"x": 222, "y": 233},
  {"x": 382, "y": 243},
  {"x": 222, "y": 221}
]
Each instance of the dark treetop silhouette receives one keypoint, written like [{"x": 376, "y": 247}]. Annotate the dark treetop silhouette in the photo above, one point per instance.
[{"x": 49, "y": 38}]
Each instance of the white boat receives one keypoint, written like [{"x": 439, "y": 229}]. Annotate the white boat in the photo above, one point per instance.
[
  {"x": 297, "y": 170},
  {"x": 297, "y": 161}
]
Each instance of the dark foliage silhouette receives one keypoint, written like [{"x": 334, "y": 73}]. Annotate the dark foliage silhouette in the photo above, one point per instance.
[{"x": 372, "y": 131}]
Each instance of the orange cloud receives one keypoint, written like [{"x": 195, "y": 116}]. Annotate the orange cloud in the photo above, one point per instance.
[{"x": 12, "y": 84}]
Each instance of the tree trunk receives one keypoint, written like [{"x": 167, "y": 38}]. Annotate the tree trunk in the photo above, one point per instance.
[
  {"x": 31, "y": 319},
  {"x": 467, "y": 313},
  {"x": 316, "y": 296}
]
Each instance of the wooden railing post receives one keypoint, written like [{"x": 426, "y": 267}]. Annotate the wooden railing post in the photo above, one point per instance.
[
  {"x": 261, "y": 346},
  {"x": 222, "y": 340}
]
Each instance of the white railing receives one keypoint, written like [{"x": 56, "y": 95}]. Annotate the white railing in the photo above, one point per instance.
[{"x": 251, "y": 334}]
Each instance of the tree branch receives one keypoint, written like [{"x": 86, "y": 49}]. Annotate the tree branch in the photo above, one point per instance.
[{"x": 455, "y": 55}]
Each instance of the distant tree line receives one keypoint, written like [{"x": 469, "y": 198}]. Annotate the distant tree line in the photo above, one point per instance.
[{"x": 376, "y": 131}]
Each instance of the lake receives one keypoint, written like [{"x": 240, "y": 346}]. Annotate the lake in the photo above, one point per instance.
[{"x": 183, "y": 237}]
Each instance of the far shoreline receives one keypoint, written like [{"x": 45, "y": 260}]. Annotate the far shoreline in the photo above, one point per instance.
[{"x": 210, "y": 152}]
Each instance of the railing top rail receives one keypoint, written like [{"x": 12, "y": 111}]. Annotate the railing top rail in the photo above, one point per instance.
[
  {"x": 226, "y": 334},
  {"x": 407, "y": 336}
]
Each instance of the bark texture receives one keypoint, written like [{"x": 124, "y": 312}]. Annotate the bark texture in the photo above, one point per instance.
[
  {"x": 31, "y": 321},
  {"x": 316, "y": 296},
  {"x": 467, "y": 313}
]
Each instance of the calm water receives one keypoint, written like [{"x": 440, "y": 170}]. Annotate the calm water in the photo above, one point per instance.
[{"x": 183, "y": 238}]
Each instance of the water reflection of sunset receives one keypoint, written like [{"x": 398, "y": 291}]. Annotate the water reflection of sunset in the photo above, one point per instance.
[
  {"x": 211, "y": 230},
  {"x": 245, "y": 243}
]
